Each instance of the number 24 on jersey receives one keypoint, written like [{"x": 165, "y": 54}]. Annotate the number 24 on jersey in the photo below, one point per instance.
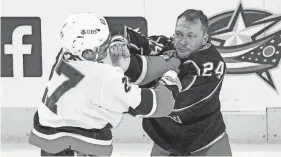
[{"x": 209, "y": 69}]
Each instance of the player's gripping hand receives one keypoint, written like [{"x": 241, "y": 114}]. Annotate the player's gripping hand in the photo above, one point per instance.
[
  {"x": 171, "y": 81},
  {"x": 169, "y": 54},
  {"x": 120, "y": 54},
  {"x": 173, "y": 64}
]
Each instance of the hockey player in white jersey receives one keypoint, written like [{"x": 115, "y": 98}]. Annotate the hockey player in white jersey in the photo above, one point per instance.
[{"x": 87, "y": 92}]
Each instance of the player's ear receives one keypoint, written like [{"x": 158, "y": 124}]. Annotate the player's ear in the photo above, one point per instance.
[
  {"x": 90, "y": 55},
  {"x": 173, "y": 38},
  {"x": 205, "y": 38}
]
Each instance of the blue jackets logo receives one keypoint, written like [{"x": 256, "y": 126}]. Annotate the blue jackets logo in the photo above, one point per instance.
[
  {"x": 21, "y": 47},
  {"x": 249, "y": 40}
]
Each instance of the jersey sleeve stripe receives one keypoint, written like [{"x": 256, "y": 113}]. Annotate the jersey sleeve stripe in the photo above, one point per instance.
[
  {"x": 157, "y": 102},
  {"x": 164, "y": 101},
  {"x": 143, "y": 72},
  {"x": 146, "y": 103}
]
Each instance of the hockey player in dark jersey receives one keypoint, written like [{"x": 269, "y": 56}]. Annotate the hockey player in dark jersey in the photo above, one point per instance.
[{"x": 196, "y": 126}]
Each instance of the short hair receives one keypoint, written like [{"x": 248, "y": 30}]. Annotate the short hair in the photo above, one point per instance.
[{"x": 193, "y": 15}]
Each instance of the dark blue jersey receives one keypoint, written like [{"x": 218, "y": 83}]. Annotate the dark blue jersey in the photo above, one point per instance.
[{"x": 196, "y": 119}]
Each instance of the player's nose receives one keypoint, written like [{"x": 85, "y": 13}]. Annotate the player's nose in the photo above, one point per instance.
[{"x": 184, "y": 41}]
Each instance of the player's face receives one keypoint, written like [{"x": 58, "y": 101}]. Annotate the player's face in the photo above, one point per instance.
[
  {"x": 101, "y": 51},
  {"x": 188, "y": 37}
]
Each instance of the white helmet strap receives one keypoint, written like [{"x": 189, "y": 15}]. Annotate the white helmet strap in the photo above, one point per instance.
[{"x": 97, "y": 56}]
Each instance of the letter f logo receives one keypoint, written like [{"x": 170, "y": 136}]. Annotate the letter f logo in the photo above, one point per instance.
[
  {"x": 17, "y": 49},
  {"x": 21, "y": 54}
]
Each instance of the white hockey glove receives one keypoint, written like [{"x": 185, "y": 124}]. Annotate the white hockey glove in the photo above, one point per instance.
[
  {"x": 171, "y": 81},
  {"x": 120, "y": 54}
]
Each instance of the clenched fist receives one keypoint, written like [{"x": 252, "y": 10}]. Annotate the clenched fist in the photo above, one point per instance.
[
  {"x": 171, "y": 81},
  {"x": 120, "y": 54},
  {"x": 173, "y": 64}
]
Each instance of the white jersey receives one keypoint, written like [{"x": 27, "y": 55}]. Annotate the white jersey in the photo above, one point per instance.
[
  {"x": 84, "y": 100},
  {"x": 87, "y": 94}
]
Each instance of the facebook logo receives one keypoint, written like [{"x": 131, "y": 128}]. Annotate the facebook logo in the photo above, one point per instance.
[{"x": 21, "y": 47}]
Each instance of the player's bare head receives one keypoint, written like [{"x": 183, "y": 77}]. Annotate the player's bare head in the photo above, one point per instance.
[
  {"x": 196, "y": 17},
  {"x": 85, "y": 36},
  {"x": 190, "y": 32}
]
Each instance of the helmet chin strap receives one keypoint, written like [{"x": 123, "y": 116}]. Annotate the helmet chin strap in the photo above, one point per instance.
[{"x": 97, "y": 56}]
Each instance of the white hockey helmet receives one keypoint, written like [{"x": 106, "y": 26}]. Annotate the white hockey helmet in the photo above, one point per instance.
[{"x": 84, "y": 31}]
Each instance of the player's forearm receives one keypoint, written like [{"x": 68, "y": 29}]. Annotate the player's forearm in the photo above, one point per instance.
[
  {"x": 157, "y": 102},
  {"x": 156, "y": 67},
  {"x": 137, "y": 68},
  {"x": 144, "y": 69}
]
